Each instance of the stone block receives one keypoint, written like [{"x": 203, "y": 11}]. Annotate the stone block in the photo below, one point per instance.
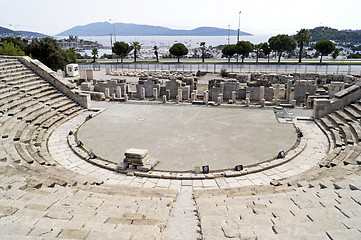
[
  {"x": 219, "y": 100},
  {"x": 263, "y": 102},
  {"x": 148, "y": 166},
  {"x": 137, "y": 161},
  {"x": 122, "y": 165},
  {"x": 136, "y": 153}
]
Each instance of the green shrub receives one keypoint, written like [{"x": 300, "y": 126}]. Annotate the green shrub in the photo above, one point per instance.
[{"x": 224, "y": 72}]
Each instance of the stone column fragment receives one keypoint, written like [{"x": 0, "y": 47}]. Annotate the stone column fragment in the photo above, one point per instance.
[
  {"x": 292, "y": 95},
  {"x": 155, "y": 93},
  {"x": 205, "y": 97},
  {"x": 261, "y": 93},
  {"x": 118, "y": 92},
  {"x": 142, "y": 93},
  {"x": 234, "y": 96},
  {"x": 248, "y": 95},
  {"x": 180, "y": 95},
  {"x": 276, "y": 93},
  {"x": 107, "y": 93}
]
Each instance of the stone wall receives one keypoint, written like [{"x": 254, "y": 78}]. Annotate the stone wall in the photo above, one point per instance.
[
  {"x": 148, "y": 86},
  {"x": 100, "y": 86},
  {"x": 335, "y": 87},
  {"x": 62, "y": 85},
  {"x": 255, "y": 93},
  {"x": 321, "y": 107},
  {"x": 302, "y": 87},
  {"x": 173, "y": 85}
]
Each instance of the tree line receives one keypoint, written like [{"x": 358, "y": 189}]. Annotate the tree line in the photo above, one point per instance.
[
  {"x": 122, "y": 49},
  {"x": 48, "y": 50},
  {"x": 282, "y": 43}
]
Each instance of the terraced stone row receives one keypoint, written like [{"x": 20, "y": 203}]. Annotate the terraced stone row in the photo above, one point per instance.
[
  {"x": 29, "y": 108},
  {"x": 343, "y": 128},
  {"x": 38, "y": 204},
  {"x": 326, "y": 206}
]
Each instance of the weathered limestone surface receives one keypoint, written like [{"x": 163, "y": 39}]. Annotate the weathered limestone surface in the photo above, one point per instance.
[{"x": 69, "y": 198}]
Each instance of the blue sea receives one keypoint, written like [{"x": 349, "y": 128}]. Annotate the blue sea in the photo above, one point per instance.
[{"x": 166, "y": 41}]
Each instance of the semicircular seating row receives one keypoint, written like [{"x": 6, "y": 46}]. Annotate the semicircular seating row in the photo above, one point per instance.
[
  {"x": 321, "y": 203},
  {"x": 39, "y": 199},
  {"x": 30, "y": 108}
]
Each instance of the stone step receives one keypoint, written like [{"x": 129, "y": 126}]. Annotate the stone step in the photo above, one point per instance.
[
  {"x": 352, "y": 112},
  {"x": 336, "y": 119},
  {"x": 344, "y": 116}
]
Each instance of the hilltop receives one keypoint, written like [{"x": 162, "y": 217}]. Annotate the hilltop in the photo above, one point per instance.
[
  {"x": 345, "y": 36},
  {"x": 7, "y": 31}
]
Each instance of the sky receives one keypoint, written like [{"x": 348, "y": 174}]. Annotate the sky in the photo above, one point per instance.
[{"x": 257, "y": 16}]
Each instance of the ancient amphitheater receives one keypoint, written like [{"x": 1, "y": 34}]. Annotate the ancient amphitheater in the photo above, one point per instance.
[{"x": 52, "y": 188}]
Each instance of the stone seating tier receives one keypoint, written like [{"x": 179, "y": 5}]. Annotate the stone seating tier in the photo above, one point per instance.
[
  {"x": 47, "y": 202},
  {"x": 32, "y": 107}
]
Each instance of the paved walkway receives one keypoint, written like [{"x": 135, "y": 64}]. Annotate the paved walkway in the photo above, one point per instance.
[{"x": 317, "y": 145}]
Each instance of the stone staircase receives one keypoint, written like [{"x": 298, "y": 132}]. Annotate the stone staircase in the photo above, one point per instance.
[
  {"x": 39, "y": 199},
  {"x": 343, "y": 129},
  {"x": 37, "y": 203},
  {"x": 30, "y": 108},
  {"x": 324, "y": 207}
]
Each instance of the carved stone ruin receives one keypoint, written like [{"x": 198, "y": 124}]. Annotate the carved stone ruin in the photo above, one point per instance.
[
  {"x": 107, "y": 93},
  {"x": 155, "y": 93},
  {"x": 137, "y": 159}
]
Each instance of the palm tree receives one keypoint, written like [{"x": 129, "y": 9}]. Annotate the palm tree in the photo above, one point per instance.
[
  {"x": 136, "y": 47},
  {"x": 302, "y": 38},
  {"x": 95, "y": 54},
  {"x": 203, "y": 48},
  {"x": 257, "y": 49},
  {"x": 155, "y": 48}
]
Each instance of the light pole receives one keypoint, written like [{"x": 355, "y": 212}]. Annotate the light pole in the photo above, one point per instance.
[
  {"x": 115, "y": 37},
  {"x": 111, "y": 43},
  {"x": 228, "y": 33},
  {"x": 239, "y": 25}
]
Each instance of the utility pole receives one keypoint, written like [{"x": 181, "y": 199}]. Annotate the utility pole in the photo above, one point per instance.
[
  {"x": 228, "y": 33},
  {"x": 239, "y": 25},
  {"x": 115, "y": 37},
  {"x": 239, "y": 28},
  {"x": 111, "y": 43}
]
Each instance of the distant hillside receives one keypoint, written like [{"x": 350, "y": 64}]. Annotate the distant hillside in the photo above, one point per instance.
[
  {"x": 345, "y": 36},
  {"x": 130, "y": 29},
  {"x": 33, "y": 34},
  {"x": 6, "y": 31}
]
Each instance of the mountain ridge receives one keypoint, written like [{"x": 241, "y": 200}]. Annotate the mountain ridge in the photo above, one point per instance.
[
  {"x": 4, "y": 30},
  {"x": 131, "y": 29}
]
